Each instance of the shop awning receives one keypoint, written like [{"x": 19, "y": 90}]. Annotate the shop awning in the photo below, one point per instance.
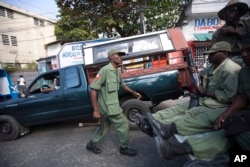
[{"x": 203, "y": 36}]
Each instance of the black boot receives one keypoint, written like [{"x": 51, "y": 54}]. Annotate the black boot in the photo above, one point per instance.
[
  {"x": 92, "y": 147},
  {"x": 144, "y": 125},
  {"x": 128, "y": 151},
  {"x": 160, "y": 129},
  {"x": 172, "y": 147}
]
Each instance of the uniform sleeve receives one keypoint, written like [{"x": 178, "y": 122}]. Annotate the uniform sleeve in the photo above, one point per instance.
[
  {"x": 122, "y": 83},
  {"x": 215, "y": 37},
  {"x": 204, "y": 77},
  {"x": 228, "y": 87},
  {"x": 99, "y": 80}
]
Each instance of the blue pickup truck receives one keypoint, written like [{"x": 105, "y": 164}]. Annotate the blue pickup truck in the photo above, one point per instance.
[{"x": 158, "y": 75}]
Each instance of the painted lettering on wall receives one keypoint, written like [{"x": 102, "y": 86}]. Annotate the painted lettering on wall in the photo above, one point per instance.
[
  {"x": 70, "y": 54},
  {"x": 207, "y": 23},
  {"x": 76, "y": 50}
]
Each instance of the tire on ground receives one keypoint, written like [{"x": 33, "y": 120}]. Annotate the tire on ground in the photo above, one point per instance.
[
  {"x": 9, "y": 128},
  {"x": 130, "y": 108}
]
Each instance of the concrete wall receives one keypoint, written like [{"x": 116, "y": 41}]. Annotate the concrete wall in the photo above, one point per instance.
[
  {"x": 201, "y": 17},
  {"x": 28, "y": 76},
  {"x": 31, "y": 38}
]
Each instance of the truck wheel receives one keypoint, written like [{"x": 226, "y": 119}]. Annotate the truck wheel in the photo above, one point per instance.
[
  {"x": 131, "y": 108},
  {"x": 9, "y": 128}
]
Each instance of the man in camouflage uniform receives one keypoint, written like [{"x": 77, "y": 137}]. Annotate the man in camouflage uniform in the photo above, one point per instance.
[
  {"x": 107, "y": 83},
  {"x": 220, "y": 82},
  {"x": 238, "y": 127},
  {"x": 234, "y": 28},
  {"x": 236, "y": 119}
]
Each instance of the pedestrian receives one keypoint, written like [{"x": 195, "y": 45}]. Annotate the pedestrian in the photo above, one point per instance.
[
  {"x": 21, "y": 84},
  {"x": 104, "y": 98},
  {"x": 234, "y": 28}
]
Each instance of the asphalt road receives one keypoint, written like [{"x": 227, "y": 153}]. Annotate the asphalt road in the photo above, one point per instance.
[{"x": 63, "y": 145}]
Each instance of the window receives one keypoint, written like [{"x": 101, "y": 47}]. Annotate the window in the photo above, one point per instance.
[
  {"x": 13, "y": 41},
  {"x": 47, "y": 81},
  {"x": 72, "y": 78},
  {"x": 6, "y": 12},
  {"x": 132, "y": 47},
  {"x": 38, "y": 22},
  {"x": 9, "y": 40},
  {"x": 5, "y": 39},
  {"x": 201, "y": 59}
]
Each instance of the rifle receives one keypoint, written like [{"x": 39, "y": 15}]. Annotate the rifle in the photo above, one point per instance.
[
  {"x": 194, "y": 98},
  {"x": 194, "y": 75}
]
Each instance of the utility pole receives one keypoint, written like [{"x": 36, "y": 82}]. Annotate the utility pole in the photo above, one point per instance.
[{"x": 142, "y": 17}]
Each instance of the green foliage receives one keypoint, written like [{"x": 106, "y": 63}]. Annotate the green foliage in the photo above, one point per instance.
[
  {"x": 14, "y": 67},
  {"x": 86, "y": 19},
  {"x": 9, "y": 68},
  {"x": 30, "y": 67}
]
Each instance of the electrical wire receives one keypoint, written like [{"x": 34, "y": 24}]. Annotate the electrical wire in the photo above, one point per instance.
[
  {"x": 33, "y": 6},
  {"x": 23, "y": 29},
  {"x": 33, "y": 39},
  {"x": 10, "y": 19}
]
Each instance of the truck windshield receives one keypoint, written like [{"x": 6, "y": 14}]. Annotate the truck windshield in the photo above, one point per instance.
[{"x": 134, "y": 47}]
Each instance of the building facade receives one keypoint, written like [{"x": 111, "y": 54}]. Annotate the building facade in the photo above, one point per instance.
[
  {"x": 201, "y": 21},
  {"x": 24, "y": 36}
]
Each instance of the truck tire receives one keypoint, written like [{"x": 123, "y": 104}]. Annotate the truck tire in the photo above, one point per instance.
[
  {"x": 131, "y": 108},
  {"x": 9, "y": 128}
]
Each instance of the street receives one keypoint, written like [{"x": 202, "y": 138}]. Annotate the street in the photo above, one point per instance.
[{"x": 63, "y": 145}]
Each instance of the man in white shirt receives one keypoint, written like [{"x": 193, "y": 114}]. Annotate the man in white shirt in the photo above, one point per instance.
[{"x": 21, "y": 83}]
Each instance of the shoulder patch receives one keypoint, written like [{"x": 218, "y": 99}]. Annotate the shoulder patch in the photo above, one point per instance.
[{"x": 98, "y": 76}]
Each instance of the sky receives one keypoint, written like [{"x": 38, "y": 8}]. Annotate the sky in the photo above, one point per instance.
[{"x": 47, "y": 8}]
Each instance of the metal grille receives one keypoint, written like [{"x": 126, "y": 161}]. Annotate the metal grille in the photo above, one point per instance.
[{"x": 200, "y": 59}]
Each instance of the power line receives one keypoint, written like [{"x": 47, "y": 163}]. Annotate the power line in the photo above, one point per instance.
[
  {"x": 24, "y": 28},
  {"x": 35, "y": 39},
  {"x": 31, "y": 15},
  {"x": 32, "y": 5},
  {"x": 28, "y": 15},
  {"x": 19, "y": 53}
]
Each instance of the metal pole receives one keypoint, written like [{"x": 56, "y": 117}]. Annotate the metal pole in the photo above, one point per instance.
[{"x": 142, "y": 21}]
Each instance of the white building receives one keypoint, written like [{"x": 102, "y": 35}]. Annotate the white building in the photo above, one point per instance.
[
  {"x": 201, "y": 21},
  {"x": 24, "y": 35}
]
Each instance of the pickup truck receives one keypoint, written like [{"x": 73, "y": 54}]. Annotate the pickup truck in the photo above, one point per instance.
[{"x": 163, "y": 77}]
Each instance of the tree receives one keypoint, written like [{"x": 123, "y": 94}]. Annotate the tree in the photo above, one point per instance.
[{"x": 86, "y": 19}]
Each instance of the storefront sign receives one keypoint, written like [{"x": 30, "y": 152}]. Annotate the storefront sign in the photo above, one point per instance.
[{"x": 207, "y": 23}]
